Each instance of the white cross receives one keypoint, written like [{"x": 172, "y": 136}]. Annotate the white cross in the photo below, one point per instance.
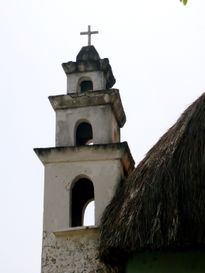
[{"x": 89, "y": 33}]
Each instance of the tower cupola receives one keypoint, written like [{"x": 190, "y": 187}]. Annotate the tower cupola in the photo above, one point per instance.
[{"x": 89, "y": 72}]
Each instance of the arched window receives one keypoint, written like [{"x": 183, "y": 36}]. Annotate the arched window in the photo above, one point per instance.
[
  {"x": 86, "y": 86},
  {"x": 84, "y": 134},
  {"x": 82, "y": 194}
]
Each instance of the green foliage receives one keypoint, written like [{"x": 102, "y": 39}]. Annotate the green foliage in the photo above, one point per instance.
[{"x": 184, "y": 1}]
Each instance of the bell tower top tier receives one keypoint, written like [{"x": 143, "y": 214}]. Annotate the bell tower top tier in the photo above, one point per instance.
[
  {"x": 91, "y": 111},
  {"x": 89, "y": 72}
]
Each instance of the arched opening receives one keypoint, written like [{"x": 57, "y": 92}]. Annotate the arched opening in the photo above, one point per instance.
[
  {"x": 89, "y": 214},
  {"x": 84, "y": 134},
  {"x": 82, "y": 194},
  {"x": 86, "y": 85}
]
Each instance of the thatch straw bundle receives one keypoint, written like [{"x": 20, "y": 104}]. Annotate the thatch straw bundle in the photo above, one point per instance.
[{"x": 162, "y": 204}]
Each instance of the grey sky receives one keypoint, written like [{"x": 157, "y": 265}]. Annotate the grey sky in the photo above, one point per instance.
[{"x": 156, "y": 50}]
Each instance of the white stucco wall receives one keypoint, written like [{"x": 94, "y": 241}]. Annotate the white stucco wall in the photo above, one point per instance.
[
  {"x": 97, "y": 77},
  {"x": 101, "y": 117},
  {"x": 58, "y": 181}
]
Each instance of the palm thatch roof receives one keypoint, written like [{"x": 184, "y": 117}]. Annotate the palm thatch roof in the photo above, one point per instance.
[{"x": 162, "y": 204}]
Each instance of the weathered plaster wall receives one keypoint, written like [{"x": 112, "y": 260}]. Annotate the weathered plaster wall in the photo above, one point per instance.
[
  {"x": 105, "y": 175},
  {"x": 101, "y": 118},
  {"x": 71, "y": 251},
  {"x": 169, "y": 262},
  {"x": 97, "y": 77}
]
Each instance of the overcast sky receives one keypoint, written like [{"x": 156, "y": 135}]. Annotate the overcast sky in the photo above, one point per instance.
[{"x": 157, "y": 52}]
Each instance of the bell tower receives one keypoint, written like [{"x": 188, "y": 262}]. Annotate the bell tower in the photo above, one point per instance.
[{"x": 86, "y": 164}]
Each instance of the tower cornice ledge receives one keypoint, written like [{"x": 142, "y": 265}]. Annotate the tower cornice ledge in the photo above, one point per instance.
[
  {"x": 116, "y": 151},
  {"x": 90, "y": 231},
  {"x": 91, "y": 98}
]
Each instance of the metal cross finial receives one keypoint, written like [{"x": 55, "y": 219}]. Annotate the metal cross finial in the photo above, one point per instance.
[{"x": 89, "y": 33}]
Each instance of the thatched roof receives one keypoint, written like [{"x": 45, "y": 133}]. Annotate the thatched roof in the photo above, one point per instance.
[{"x": 162, "y": 204}]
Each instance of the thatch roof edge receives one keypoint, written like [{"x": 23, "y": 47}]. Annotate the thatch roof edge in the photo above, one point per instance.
[{"x": 162, "y": 204}]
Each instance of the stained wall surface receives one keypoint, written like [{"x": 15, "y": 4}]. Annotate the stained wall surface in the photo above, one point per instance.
[{"x": 71, "y": 251}]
